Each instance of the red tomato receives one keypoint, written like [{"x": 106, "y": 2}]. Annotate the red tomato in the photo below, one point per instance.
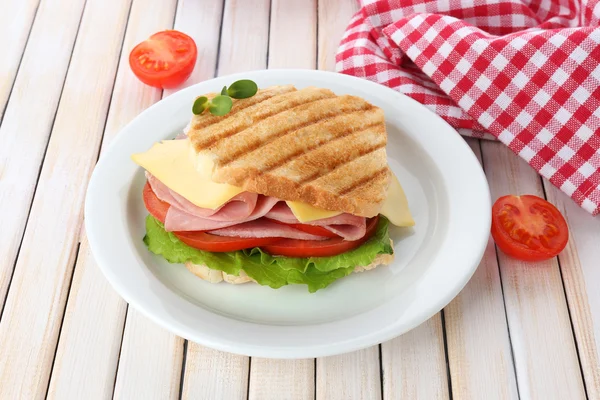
[
  {"x": 312, "y": 229},
  {"x": 528, "y": 228},
  {"x": 156, "y": 207},
  {"x": 218, "y": 244},
  {"x": 164, "y": 60},
  {"x": 319, "y": 248}
]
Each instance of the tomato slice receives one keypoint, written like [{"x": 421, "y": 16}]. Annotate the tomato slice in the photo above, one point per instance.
[
  {"x": 528, "y": 228},
  {"x": 218, "y": 244},
  {"x": 319, "y": 248},
  {"x": 312, "y": 229},
  {"x": 164, "y": 60},
  {"x": 156, "y": 207}
]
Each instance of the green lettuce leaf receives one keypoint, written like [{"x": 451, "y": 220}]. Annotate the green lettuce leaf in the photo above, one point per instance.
[{"x": 274, "y": 271}]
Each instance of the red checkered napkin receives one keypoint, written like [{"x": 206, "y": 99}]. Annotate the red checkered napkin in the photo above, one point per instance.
[{"x": 525, "y": 71}]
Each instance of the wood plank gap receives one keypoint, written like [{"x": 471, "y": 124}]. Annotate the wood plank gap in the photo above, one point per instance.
[
  {"x": 218, "y": 56},
  {"x": 512, "y": 350},
  {"x": 63, "y": 318},
  {"x": 120, "y": 349},
  {"x": 317, "y": 33},
  {"x": 270, "y": 19},
  {"x": 248, "y": 380},
  {"x": 571, "y": 321},
  {"x": 315, "y": 377},
  {"x": 562, "y": 280},
  {"x": 183, "y": 360},
  {"x": 445, "y": 339},
  {"x": 43, "y": 155},
  {"x": 381, "y": 377},
  {"x": 12, "y": 86}
]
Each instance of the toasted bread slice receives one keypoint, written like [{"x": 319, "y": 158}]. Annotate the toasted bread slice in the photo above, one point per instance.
[
  {"x": 305, "y": 145},
  {"x": 216, "y": 276}
]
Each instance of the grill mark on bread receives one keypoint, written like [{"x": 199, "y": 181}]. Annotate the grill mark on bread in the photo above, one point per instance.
[
  {"x": 207, "y": 119},
  {"x": 363, "y": 181},
  {"x": 319, "y": 174},
  {"x": 213, "y": 140},
  {"x": 232, "y": 156},
  {"x": 302, "y": 152}
]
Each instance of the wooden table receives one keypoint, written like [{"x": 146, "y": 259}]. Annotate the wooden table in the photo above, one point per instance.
[{"x": 516, "y": 330}]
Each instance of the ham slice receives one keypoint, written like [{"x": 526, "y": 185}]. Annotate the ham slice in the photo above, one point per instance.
[
  {"x": 178, "y": 220},
  {"x": 233, "y": 218},
  {"x": 348, "y": 226},
  {"x": 262, "y": 228}
]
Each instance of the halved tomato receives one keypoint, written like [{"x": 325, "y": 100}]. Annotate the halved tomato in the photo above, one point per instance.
[
  {"x": 312, "y": 229},
  {"x": 319, "y": 248},
  {"x": 164, "y": 60},
  {"x": 528, "y": 228}
]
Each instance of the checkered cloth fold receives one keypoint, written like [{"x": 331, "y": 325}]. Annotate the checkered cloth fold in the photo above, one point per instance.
[{"x": 526, "y": 72}]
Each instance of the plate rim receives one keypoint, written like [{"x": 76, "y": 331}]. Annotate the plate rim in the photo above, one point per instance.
[{"x": 327, "y": 349}]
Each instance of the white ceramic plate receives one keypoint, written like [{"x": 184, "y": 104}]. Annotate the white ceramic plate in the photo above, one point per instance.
[{"x": 448, "y": 196}]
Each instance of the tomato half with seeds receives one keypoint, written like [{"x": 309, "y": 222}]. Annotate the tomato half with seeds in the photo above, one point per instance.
[
  {"x": 164, "y": 60},
  {"x": 528, "y": 228}
]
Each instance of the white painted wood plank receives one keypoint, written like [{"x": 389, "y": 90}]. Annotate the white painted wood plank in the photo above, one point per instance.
[
  {"x": 90, "y": 340},
  {"x": 36, "y": 302},
  {"x": 16, "y": 18},
  {"x": 414, "y": 364},
  {"x": 293, "y": 34},
  {"x": 151, "y": 357},
  {"x": 245, "y": 36},
  {"x": 545, "y": 357},
  {"x": 479, "y": 351},
  {"x": 23, "y": 138},
  {"x": 212, "y": 374},
  {"x": 333, "y": 21},
  {"x": 579, "y": 264},
  {"x": 353, "y": 375},
  {"x": 282, "y": 379}
]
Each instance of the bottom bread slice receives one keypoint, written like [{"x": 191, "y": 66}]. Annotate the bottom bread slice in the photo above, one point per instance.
[{"x": 216, "y": 276}]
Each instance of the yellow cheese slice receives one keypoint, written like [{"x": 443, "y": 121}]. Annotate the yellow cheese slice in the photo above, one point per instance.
[
  {"x": 169, "y": 161},
  {"x": 395, "y": 207},
  {"x": 306, "y": 213}
]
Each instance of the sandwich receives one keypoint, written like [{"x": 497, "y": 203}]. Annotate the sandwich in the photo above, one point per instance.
[{"x": 290, "y": 186}]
